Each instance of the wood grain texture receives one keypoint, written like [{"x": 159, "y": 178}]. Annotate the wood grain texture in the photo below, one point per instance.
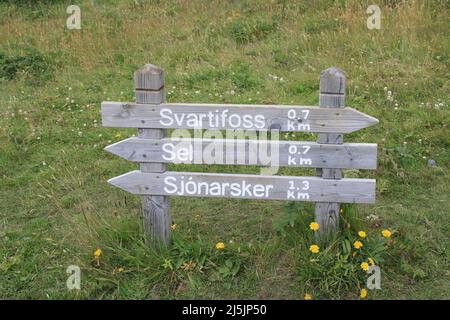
[
  {"x": 247, "y": 152},
  {"x": 148, "y": 78},
  {"x": 149, "y": 84},
  {"x": 245, "y": 186},
  {"x": 229, "y": 116},
  {"x": 331, "y": 97}
]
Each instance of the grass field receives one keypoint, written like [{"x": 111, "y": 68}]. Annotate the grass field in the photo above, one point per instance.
[{"x": 56, "y": 208}]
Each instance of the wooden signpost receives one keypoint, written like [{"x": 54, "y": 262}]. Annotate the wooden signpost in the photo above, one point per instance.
[
  {"x": 247, "y": 152},
  {"x": 247, "y": 186},
  {"x": 153, "y": 150},
  {"x": 233, "y": 117}
]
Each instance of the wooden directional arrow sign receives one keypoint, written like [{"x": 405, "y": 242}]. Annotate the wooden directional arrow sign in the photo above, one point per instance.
[
  {"x": 251, "y": 138},
  {"x": 247, "y": 152},
  {"x": 245, "y": 186},
  {"x": 234, "y": 116}
]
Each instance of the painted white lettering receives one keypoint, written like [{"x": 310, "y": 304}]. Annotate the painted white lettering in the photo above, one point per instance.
[
  {"x": 305, "y": 161},
  {"x": 186, "y": 185},
  {"x": 290, "y": 194},
  {"x": 168, "y": 148},
  {"x": 291, "y": 161},
  {"x": 260, "y": 122},
  {"x": 165, "y": 114},
  {"x": 170, "y": 187}
]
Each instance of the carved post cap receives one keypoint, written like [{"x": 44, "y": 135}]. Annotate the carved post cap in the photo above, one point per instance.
[
  {"x": 149, "y": 77},
  {"x": 332, "y": 80}
]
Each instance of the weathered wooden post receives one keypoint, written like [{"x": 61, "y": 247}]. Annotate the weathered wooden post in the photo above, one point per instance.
[
  {"x": 332, "y": 95},
  {"x": 149, "y": 84}
]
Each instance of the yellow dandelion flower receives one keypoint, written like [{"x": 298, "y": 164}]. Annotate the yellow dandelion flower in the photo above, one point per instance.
[
  {"x": 363, "y": 293},
  {"x": 314, "y": 226},
  {"x": 386, "y": 233},
  {"x": 307, "y": 296},
  {"x": 220, "y": 245},
  {"x": 314, "y": 248},
  {"x": 365, "y": 266},
  {"x": 362, "y": 234},
  {"x": 341, "y": 211},
  {"x": 371, "y": 261},
  {"x": 120, "y": 269},
  {"x": 173, "y": 226},
  {"x": 98, "y": 253},
  {"x": 358, "y": 244}
]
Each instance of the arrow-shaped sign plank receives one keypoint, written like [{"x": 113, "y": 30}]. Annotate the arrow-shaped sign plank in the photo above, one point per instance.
[
  {"x": 234, "y": 116},
  {"x": 244, "y": 186},
  {"x": 247, "y": 152}
]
